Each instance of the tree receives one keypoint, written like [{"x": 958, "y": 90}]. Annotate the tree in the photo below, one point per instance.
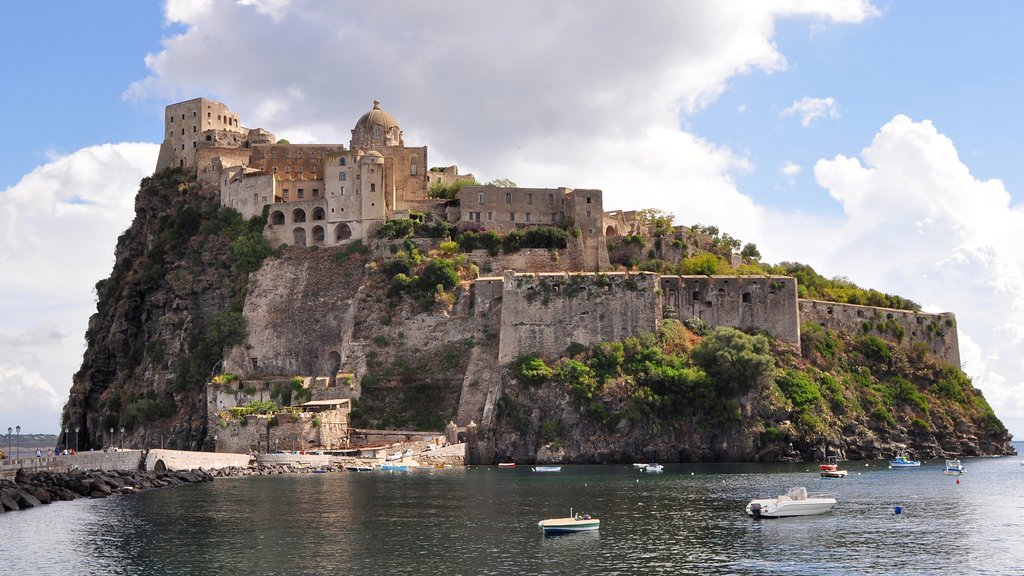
[
  {"x": 750, "y": 251},
  {"x": 734, "y": 360},
  {"x": 658, "y": 220}
]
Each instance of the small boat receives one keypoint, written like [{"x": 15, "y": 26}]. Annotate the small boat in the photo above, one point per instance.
[
  {"x": 394, "y": 468},
  {"x": 640, "y": 465},
  {"x": 652, "y": 467},
  {"x": 547, "y": 468},
  {"x": 359, "y": 468},
  {"x": 796, "y": 502},
  {"x": 831, "y": 469},
  {"x": 902, "y": 461},
  {"x": 574, "y": 523},
  {"x": 506, "y": 464},
  {"x": 953, "y": 468}
]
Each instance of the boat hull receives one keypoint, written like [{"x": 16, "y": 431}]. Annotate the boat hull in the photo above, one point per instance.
[
  {"x": 833, "y": 473},
  {"x": 568, "y": 525},
  {"x": 783, "y": 507}
]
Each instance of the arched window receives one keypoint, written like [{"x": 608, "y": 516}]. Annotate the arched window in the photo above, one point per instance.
[
  {"x": 342, "y": 177},
  {"x": 318, "y": 213},
  {"x": 341, "y": 161},
  {"x": 299, "y": 215},
  {"x": 299, "y": 237},
  {"x": 318, "y": 235},
  {"x": 342, "y": 232},
  {"x": 277, "y": 217}
]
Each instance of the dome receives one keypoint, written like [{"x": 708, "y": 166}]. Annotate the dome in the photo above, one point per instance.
[{"x": 376, "y": 128}]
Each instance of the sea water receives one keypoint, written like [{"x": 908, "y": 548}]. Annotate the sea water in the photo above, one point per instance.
[{"x": 482, "y": 520}]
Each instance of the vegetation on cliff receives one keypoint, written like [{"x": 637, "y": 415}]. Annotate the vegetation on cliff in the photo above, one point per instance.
[
  {"x": 171, "y": 305},
  {"x": 768, "y": 400}
]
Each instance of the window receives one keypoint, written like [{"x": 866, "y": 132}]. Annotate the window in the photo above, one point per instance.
[
  {"x": 287, "y": 169},
  {"x": 551, "y": 199},
  {"x": 412, "y": 169},
  {"x": 182, "y": 131},
  {"x": 480, "y": 197},
  {"x": 302, "y": 193},
  {"x": 528, "y": 216},
  {"x": 301, "y": 167},
  {"x": 529, "y": 198},
  {"x": 588, "y": 213},
  {"x": 275, "y": 170},
  {"x": 341, "y": 161},
  {"x": 378, "y": 132},
  {"x": 342, "y": 177},
  {"x": 490, "y": 215},
  {"x": 511, "y": 216},
  {"x": 298, "y": 155},
  {"x": 316, "y": 192},
  {"x": 285, "y": 194},
  {"x": 342, "y": 190},
  {"x": 588, "y": 199},
  {"x": 373, "y": 187},
  {"x": 554, "y": 217},
  {"x": 274, "y": 154},
  {"x": 508, "y": 197}
]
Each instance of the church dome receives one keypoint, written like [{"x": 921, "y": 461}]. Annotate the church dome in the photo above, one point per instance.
[{"x": 376, "y": 128}]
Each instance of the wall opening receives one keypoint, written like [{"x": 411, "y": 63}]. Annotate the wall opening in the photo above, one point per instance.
[
  {"x": 277, "y": 217},
  {"x": 299, "y": 237},
  {"x": 298, "y": 215},
  {"x": 342, "y": 232}
]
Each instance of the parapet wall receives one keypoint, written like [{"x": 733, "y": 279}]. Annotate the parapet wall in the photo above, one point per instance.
[
  {"x": 766, "y": 303},
  {"x": 544, "y": 313},
  {"x": 936, "y": 331},
  {"x": 120, "y": 460},
  {"x": 159, "y": 460}
]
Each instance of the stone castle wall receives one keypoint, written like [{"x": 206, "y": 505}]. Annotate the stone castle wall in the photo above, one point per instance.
[
  {"x": 766, "y": 303},
  {"x": 544, "y": 313},
  {"x": 936, "y": 331}
]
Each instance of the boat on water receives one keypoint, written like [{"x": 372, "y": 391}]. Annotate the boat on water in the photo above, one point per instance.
[
  {"x": 953, "y": 468},
  {"x": 506, "y": 464},
  {"x": 394, "y": 467},
  {"x": 831, "y": 469},
  {"x": 359, "y": 468},
  {"x": 903, "y": 461},
  {"x": 652, "y": 467},
  {"x": 640, "y": 465},
  {"x": 547, "y": 468},
  {"x": 796, "y": 502},
  {"x": 573, "y": 523}
]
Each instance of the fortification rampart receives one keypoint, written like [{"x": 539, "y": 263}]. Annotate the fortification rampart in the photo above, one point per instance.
[
  {"x": 766, "y": 303},
  {"x": 544, "y": 313},
  {"x": 936, "y": 331}
]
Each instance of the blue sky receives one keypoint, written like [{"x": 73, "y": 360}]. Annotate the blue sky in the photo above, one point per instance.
[{"x": 872, "y": 140}]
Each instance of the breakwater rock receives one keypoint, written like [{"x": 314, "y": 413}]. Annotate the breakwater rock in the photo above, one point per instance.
[
  {"x": 35, "y": 489},
  {"x": 271, "y": 470}
]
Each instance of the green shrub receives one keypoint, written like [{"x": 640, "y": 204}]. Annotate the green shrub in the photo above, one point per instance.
[
  {"x": 733, "y": 360},
  {"x": 532, "y": 370}
]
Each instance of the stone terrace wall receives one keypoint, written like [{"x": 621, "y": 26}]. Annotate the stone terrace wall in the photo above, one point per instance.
[
  {"x": 184, "y": 460},
  {"x": 936, "y": 331},
  {"x": 120, "y": 460},
  {"x": 544, "y": 313},
  {"x": 767, "y": 303}
]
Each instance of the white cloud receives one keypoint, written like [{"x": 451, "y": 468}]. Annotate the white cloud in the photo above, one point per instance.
[
  {"x": 790, "y": 170},
  {"x": 58, "y": 228},
  {"x": 810, "y": 109}
]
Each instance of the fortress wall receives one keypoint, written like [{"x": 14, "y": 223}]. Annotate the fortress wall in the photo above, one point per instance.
[
  {"x": 544, "y": 313},
  {"x": 936, "y": 331},
  {"x": 487, "y": 295},
  {"x": 186, "y": 460},
  {"x": 210, "y": 160},
  {"x": 409, "y": 184},
  {"x": 530, "y": 260},
  {"x": 744, "y": 302},
  {"x": 248, "y": 194}
]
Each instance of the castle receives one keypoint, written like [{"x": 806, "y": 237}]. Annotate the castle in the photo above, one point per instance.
[{"x": 330, "y": 195}]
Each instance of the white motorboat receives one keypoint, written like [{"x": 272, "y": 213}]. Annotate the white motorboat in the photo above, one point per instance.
[
  {"x": 953, "y": 468},
  {"x": 796, "y": 502},
  {"x": 831, "y": 469},
  {"x": 652, "y": 467},
  {"x": 574, "y": 523},
  {"x": 547, "y": 468}
]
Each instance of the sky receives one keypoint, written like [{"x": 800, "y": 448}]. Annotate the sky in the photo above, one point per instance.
[{"x": 872, "y": 140}]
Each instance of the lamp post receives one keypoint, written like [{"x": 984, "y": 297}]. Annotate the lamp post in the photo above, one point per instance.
[
  {"x": 9, "y": 430},
  {"x": 76, "y": 439},
  {"x": 121, "y": 447},
  {"x": 17, "y": 441},
  {"x": 67, "y": 431},
  {"x": 111, "y": 436},
  {"x": 214, "y": 442}
]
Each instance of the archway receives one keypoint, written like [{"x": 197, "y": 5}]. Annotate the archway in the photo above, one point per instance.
[
  {"x": 342, "y": 232},
  {"x": 298, "y": 215},
  {"x": 318, "y": 235},
  {"x": 611, "y": 231},
  {"x": 277, "y": 217},
  {"x": 333, "y": 365},
  {"x": 318, "y": 213},
  {"x": 299, "y": 237}
]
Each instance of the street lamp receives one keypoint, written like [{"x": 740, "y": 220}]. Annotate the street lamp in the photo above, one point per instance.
[
  {"x": 17, "y": 441},
  {"x": 121, "y": 447},
  {"x": 9, "y": 430},
  {"x": 76, "y": 439},
  {"x": 214, "y": 442},
  {"x": 66, "y": 431},
  {"x": 111, "y": 436}
]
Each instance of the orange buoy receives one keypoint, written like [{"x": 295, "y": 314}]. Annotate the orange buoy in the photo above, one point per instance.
[{"x": 957, "y": 480}]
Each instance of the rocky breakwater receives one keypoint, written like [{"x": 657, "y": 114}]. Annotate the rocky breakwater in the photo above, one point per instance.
[
  {"x": 272, "y": 470},
  {"x": 31, "y": 490}
]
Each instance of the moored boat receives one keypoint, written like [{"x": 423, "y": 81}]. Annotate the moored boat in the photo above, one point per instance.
[
  {"x": 547, "y": 468},
  {"x": 652, "y": 467},
  {"x": 831, "y": 469},
  {"x": 506, "y": 464},
  {"x": 953, "y": 468},
  {"x": 573, "y": 523},
  {"x": 903, "y": 461},
  {"x": 796, "y": 502},
  {"x": 394, "y": 467}
]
